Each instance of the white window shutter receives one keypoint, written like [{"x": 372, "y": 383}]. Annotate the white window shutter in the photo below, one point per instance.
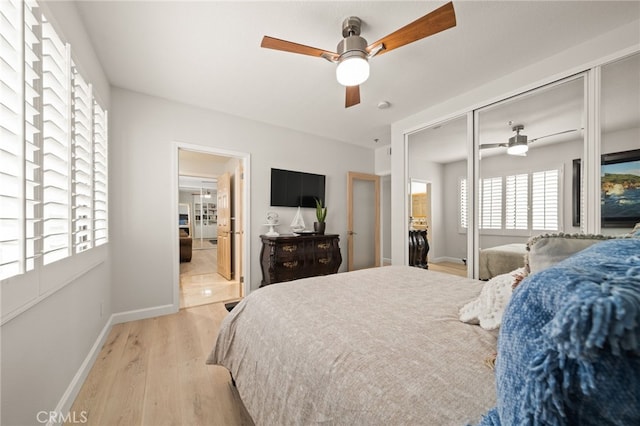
[
  {"x": 56, "y": 146},
  {"x": 82, "y": 126},
  {"x": 463, "y": 201},
  {"x": 32, "y": 133},
  {"x": 491, "y": 203},
  {"x": 100, "y": 167},
  {"x": 517, "y": 201},
  {"x": 11, "y": 140},
  {"x": 544, "y": 200}
]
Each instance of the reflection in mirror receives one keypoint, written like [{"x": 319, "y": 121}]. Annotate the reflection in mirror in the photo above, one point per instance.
[
  {"x": 420, "y": 204},
  {"x": 620, "y": 146},
  {"x": 527, "y": 145},
  {"x": 437, "y": 161}
]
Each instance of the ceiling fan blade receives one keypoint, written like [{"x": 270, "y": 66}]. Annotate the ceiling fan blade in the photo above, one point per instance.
[
  {"x": 439, "y": 20},
  {"x": 289, "y": 46},
  {"x": 554, "y": 134},
  {"x": 493, "y": 145},
  {"x": 352, "y": 96}
]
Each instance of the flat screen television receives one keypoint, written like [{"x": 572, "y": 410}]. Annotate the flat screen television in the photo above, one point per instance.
[{"x": 296, "y": 189}]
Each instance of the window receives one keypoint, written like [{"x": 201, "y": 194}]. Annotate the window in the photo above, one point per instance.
[
  {"x": 530, "y": 201},
  {"x": 53, "y": 155}
]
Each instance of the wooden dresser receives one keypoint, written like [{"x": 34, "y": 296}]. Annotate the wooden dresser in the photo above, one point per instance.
[{"x": 289, "y": 257}]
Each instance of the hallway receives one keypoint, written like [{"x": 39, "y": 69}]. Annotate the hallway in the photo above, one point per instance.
[{"x": 200, "y": 283}]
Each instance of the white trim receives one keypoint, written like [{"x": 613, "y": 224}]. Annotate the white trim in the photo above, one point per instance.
[
  {"x": 447, "y": 259},
  {"x": 591, "y": 181},
  {"x": 70, "y": 394},
  {"x": 245, "y": 158},
  {"x": 144, "y": 313}
]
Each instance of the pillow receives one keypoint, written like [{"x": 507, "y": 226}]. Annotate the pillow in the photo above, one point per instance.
[
  {"x": 548, "y": 249},
  {"x": 569, "y": 344},
  {"x": 488, "y": 308}
]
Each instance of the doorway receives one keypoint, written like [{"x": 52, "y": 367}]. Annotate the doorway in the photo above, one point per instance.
[
  {"x": 363, "y": 236},
  {"x": 210, "y": 204}
]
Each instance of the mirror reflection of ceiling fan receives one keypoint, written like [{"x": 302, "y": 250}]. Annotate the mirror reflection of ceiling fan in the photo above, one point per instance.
[
  {"x": 519, "y": 144},
  {"x": 353, "y": 52}
]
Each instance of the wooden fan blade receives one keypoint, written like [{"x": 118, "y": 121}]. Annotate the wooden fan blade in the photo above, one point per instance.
[
  {"x": 439, "y": 20},
  {"x": 352, "y": 97},
  {"x": 289, "y": 46}
]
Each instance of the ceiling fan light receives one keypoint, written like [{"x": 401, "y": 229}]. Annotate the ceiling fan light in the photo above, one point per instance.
[
  {"x": 352, "y": 70},
  {"x": 518, "y": 149}
]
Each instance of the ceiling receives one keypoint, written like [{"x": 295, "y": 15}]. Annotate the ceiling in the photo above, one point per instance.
[{"x": 207, "y": 54}]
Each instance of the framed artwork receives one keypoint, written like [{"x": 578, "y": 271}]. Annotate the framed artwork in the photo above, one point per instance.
[{"x": 619, "y": 189}]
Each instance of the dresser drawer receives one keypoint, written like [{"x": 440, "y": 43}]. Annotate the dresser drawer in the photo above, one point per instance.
[
  {"x": 288, "y": 251},
  {"x": 323, "y": 246}
]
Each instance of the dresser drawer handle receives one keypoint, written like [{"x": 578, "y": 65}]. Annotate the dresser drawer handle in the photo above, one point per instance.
[
  {"x": 324, "y": 261},
  {"x": 290, "y": 249},
  {"x": 324, "y": 246},
  {"x": 290, "y": 265}
]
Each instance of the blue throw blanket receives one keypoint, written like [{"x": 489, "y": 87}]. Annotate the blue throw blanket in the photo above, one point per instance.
[{"x": 569, "y": 344}]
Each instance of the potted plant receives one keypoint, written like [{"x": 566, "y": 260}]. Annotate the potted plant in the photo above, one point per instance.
[{"x": 321, "y": 215}]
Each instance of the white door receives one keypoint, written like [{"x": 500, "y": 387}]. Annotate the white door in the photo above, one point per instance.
[{"x": 363, "y": 210}]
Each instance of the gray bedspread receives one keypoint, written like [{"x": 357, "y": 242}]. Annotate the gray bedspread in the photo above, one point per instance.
[{"x": 380, "y": 346}]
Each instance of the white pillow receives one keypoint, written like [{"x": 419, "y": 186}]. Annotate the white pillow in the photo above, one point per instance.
[{"x": 488, "y": 308}]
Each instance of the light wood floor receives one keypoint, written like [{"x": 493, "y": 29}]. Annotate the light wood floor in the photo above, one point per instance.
[
  {"x": 453, "y": 268},
  {"x": 153, "y": 372},
  {"x": 200, "y": 282}
]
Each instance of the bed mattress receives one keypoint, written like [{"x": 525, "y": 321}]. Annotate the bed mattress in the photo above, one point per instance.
[{"x": 373, "y": 347}]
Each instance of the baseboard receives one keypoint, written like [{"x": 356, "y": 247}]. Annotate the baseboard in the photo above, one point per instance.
[
  {"x": 69, "y": 396},
  {"x": 447, "y": 259},
  {"x": 139, "y": 314}
]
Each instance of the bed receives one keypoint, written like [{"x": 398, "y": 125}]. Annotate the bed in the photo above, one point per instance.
[
  {"x": 372, "y": 347},
  {"x": 499, "y": 260}
]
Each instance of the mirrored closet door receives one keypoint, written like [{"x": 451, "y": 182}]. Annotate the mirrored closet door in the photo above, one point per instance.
[
  {"x": 527, "y": 146},
  {"x": 437, "y": 164},
  {"x": 620, "y": 145}
]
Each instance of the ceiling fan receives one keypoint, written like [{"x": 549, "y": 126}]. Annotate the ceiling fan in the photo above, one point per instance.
[
  {"x": 519, "y": 144},
  {"x": 353, "y": 52}
]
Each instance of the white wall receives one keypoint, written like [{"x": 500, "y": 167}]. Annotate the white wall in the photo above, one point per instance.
[
  {"x": 44, "y": 346},
  {"x": 143, "y": 130},
  {"x": 455, "y": 244},
  {"x": 591, "y": 52}
]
